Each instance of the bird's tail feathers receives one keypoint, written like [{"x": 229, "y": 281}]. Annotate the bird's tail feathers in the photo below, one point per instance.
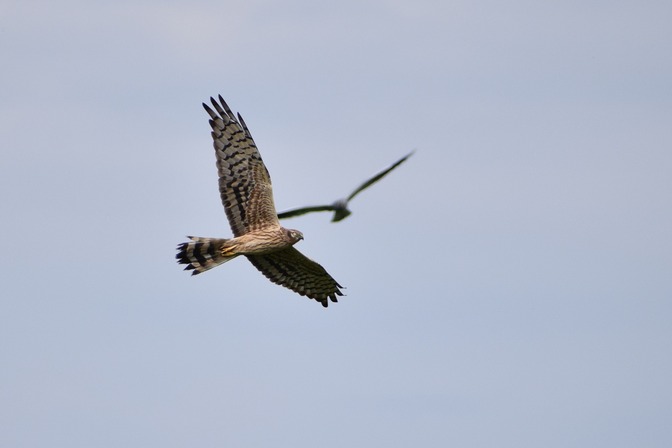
[{"x": 201, "y": 254}]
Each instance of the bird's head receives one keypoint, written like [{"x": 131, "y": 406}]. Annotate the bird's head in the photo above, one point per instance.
[{"x": 294, "y": 236}]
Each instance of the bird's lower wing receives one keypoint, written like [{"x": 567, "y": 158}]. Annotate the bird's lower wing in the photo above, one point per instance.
[
  {"x": 293, "y": 270},
  {"x": 304, "y": 210}
]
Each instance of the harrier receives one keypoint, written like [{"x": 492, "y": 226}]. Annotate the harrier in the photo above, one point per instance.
[
  {"x": 247, "y": 196},
  {"x": 340, "y": 207}
]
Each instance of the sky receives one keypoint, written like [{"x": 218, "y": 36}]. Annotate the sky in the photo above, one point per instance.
[{"x": 510, "y": 285}]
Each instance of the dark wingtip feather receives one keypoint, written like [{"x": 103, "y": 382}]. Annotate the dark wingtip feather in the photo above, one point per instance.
[{"x": 210, "y": 112}]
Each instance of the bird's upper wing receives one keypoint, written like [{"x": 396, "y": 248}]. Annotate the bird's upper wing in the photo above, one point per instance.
[
  {"x": 379, "y": 176},
  {"x": 244, "y": 182},
  {"x": 304, "y": 210},
  {"x": 293, "y": 270}
]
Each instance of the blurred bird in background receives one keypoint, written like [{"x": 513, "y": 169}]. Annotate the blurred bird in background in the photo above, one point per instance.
[{"x": 340, "y": 207}]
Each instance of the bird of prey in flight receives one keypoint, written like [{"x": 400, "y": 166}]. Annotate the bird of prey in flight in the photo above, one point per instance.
[
  {"x": 340, "y": 207},
  {"x": 247, "y": 195}
]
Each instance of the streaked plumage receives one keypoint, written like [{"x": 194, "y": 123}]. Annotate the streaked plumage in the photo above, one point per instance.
[
  {"x": 247, "y": 195},
  {"x": 340, "y": 207}
]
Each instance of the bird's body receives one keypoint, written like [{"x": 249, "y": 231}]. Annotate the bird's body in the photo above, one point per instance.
[
  {"x": 247, "y": 195},
  {"x": 340, "y": 207},
  {"x": 215, "y": 251}
]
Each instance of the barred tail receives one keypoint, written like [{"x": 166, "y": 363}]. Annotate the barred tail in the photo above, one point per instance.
[{"x": 201, "y": 254}]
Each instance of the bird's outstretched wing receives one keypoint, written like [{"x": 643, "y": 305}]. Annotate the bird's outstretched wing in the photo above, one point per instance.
[
  {"x": 304, "y": 210},
  {"x": 244, "y": 182},
  {"x": 291, "y": 269},
  {"x": 378, "y": 176}
]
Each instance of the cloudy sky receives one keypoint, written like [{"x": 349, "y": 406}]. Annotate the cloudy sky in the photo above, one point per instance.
[{"x": 509, "y": 286}]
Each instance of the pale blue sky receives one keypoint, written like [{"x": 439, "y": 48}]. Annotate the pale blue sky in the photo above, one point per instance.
[{"x": 509, "y": 286}]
